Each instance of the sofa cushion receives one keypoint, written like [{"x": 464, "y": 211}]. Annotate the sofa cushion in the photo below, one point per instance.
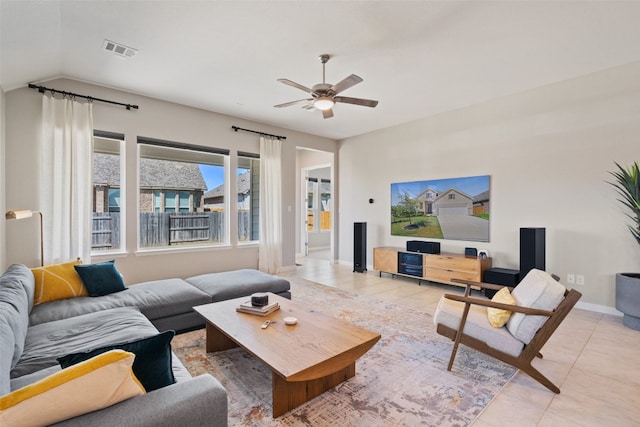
[
  {"x": 57, "y": 281},
  {"x": 449, "y": 313},
  {"x": 56, "y": 397},
  {"x": 16, "y": 300},
  {"x": 48, "y": 341},
  {"x": 152, "y": 365},
  {"x": 238, "y": 283},
  {"x": 101, "y": 278},
  {"x": 155, "y": 299},
  {"x": 537, "y": 290}
]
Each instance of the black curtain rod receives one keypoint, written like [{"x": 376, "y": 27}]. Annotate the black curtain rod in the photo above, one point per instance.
[
  {"x": 43, "y": 89},
  {"x": 236, "y": 128}
]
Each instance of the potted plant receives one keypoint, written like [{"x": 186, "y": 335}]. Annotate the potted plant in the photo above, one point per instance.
[{"x": 627, "y": 183}]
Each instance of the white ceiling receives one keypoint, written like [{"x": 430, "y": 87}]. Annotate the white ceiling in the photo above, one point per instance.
[{"x": 418, "y": 58}]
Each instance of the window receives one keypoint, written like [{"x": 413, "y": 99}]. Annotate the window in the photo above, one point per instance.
[
  {"x": 248, "y": 190},
  {"x": 114, "y": 200},
  {"x": 452, "y": 196},
  {"x": 183, "y": 204},
  {"x": 182, "y": 194},
  {"x": 107, "y": 231}
]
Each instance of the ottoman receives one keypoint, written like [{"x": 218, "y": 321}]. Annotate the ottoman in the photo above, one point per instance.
[{"x": 239, "y": 283}]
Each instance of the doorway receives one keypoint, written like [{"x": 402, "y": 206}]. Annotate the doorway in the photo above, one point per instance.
[{"x": 315, "y": 205}]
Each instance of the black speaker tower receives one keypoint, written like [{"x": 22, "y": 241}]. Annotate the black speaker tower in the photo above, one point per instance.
[
  {"x": 532, "y": 252},
  {"x": 360, "y": 247}
]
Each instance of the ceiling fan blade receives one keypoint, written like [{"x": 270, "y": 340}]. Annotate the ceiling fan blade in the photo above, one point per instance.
[
  {"x": 327, "y": 114},
  {"x": 356, "y": 101},
  {"x": 299, "y": 101},
  {"x": 345, "y": 84},
  {"x": 296, "y": 85}
]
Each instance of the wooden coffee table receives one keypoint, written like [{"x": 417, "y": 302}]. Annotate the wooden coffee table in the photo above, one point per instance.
[{"x": 306, "y": 359}]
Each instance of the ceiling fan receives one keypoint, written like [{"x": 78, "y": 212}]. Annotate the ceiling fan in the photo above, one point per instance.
[{"x": 324, "y": 94}]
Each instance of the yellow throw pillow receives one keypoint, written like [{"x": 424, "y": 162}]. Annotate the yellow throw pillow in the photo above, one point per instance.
[
  {"x": 498, "y": 317},
  {"x": 58, "y": 281},
  {"x": 86, "y": 387}
]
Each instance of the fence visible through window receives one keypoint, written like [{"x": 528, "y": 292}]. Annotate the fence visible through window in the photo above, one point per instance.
[{"x": 161, "y": 229}]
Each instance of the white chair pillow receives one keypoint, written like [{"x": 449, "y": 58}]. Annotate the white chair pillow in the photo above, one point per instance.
[{"x": 537, "y": 290}]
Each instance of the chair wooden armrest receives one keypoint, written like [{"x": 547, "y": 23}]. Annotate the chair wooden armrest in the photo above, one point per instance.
[
  {"x": 493, "y": 304},
  {"x": 481, "y": 285}
]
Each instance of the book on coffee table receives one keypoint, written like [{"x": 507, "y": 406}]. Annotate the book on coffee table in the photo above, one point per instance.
[{"x": 246, "y": 307}]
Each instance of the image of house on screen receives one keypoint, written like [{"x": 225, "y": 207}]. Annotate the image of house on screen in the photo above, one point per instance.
[{"x": 455, "y": 208}]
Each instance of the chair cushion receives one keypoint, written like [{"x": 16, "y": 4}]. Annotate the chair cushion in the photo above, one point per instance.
[
  {"x": 498, "y": 317},
  {"x": 537, "y": 290},
  {"x": 448, "y": 313}
]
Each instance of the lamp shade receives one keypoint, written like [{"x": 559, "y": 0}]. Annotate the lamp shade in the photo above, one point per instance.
[
  {"x": 19, "y": 214},
  {"x": 323, "y": 103}
]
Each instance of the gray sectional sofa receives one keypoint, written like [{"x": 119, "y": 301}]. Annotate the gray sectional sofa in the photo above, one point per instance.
[{"x": 33, "y": 337}]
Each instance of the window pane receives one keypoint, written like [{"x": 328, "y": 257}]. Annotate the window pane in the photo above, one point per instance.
[
  {"x": 184, "y": 201},
  {"x": 325, "y": 206},
  {"x": 311, "y": 206},
  {"x": 114, "y": 200},
  {"x": 174, "y": 188},
  {"x": 106, "y": 232},
  {"x": 248, "y": 190}
]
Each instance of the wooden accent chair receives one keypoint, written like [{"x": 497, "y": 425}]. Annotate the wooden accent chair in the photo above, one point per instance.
[{"x": 542, "y": 303}]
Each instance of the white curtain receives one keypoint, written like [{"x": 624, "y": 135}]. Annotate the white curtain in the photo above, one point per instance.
[
  {"x": 66, "y": 179},
  {"x": 270, "y": 253}
]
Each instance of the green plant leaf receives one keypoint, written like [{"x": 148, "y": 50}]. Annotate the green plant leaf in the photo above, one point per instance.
[{"x": 627, "y": 185}]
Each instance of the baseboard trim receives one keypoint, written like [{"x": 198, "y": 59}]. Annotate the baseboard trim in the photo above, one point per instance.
[{"x": 598, "y": 308}]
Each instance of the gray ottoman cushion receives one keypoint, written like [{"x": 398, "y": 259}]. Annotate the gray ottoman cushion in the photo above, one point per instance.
[
  {"x": 156, "y": 299},
  {"x": 238, "y": 283}
]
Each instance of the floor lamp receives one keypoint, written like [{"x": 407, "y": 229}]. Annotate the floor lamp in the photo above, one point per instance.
[{"x": 26, "y": 213}]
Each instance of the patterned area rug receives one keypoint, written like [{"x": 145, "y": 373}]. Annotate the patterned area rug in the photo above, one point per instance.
[{"x": 402, "y": 381}]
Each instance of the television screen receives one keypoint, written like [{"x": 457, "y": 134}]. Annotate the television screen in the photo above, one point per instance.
[{"x": 453, "y": 208}]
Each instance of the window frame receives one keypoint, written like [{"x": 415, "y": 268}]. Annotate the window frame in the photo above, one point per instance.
[
  {"x": 186, "y": 153},
  {"x": 118, "y": 140},
  {"x": 254, "y": 200}
]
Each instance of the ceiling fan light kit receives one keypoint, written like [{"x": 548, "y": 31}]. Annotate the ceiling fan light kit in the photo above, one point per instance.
[
  {"x": 324, "y": 94},
  {"x": 323, "y": 103}
]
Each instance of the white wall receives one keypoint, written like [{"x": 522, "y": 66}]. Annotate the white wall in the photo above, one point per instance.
[
  {"x": 3, "y": 245},
  {"x": 547, "y": 151},
  {"x": 156, "y": 119}
]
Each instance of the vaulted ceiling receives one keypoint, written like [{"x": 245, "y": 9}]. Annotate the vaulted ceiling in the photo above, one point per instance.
[{"x": 417, "y": 58}]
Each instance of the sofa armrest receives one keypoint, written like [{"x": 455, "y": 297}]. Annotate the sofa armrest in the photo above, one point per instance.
[{"x": 200, "y": 401}]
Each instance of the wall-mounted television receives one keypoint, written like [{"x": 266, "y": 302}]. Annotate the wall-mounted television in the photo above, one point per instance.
[{"x": 451, "y": 208}]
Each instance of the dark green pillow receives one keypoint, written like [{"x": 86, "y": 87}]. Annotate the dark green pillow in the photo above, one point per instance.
[
  {"x": 152, "y": 365},
  {"x": 101, "y": 278}
]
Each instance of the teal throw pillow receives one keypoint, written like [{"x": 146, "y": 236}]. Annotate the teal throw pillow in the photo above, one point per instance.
[
  {"x": 101, "y": 278},
  {"x": 152, "y": 365}
]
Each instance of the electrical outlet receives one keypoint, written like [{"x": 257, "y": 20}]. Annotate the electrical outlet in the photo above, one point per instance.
[
  {"x": 579, "y": 279},
  {"x": 571, "y": 279}
]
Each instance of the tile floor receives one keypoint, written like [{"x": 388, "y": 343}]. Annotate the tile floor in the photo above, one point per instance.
[{"x": 592, "y": 357}]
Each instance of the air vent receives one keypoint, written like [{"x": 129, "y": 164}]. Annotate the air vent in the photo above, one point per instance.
[
  {"x": 119, "y": 49},
  {"x": 307, "y": 107}
]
